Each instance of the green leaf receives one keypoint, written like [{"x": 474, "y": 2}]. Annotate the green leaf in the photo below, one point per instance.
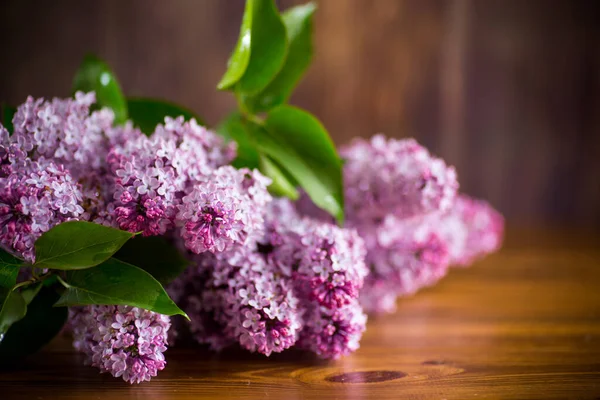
[
  {"x": 12, "y": 305},
  {"x": 8, "y": 260},
  {"x": 300, "y": 144},
  {"x": 155, "y": 255},
  {"x": 147, "y": 113},
  {"x": 40, "y": 325},
  {"x": 94, "y": 74},
  {"x": 298, "y": 24},
  {"x": 78, "y": 245},
  {"x": 232, "y": 128},
  {"x": 6, "y": 116},
  {"x": 115, "y": 282},
  {"x": 13, "y": 309},
  {"x": 281, "y": 185},
  {"x": 239, "y": 59},
  {"x": 260, "y": 51},
  {"x": 29, "y": 292}
]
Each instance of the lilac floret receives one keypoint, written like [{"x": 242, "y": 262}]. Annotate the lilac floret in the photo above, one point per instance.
[{"x": 124, "y": 341}]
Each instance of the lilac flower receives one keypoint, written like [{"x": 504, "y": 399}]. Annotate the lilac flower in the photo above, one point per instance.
[
  {"x": 404, "y": 255},
  {"x": 33, "y": 200},
  {"x": 239, "y": 297},
  {"x": 143, "y": 185},
  {"x": 262, "y": 308},
  {"x": 12, "y": 157},
  {"x": 64, "y": 131},
  {"x": 127, "y": 342},
  {"x": 222, "y": 210},
  {"x": 389, "y": 176},
  {"x": 195, "y": 292},
  {"x": 331, "y": 264},
  {"x": 260, "y": 293},
  {"x": 333, "y": 333},
  {"x": 472, "y": 229},
  {"x": 150, "y": 175},
  {"x": 197, "y": 150}
]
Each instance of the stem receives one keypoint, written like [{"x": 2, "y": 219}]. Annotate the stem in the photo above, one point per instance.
[
  {"x": 65, "y": 284},
  {"x": 24, "y": 283},
  {"x": 245, "y": 111}
]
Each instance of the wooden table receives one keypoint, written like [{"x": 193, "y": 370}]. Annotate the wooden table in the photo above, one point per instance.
[{"x": 524, "y": 323}]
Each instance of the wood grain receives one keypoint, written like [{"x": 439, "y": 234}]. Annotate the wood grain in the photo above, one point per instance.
[{"x": 521, "y": 324}]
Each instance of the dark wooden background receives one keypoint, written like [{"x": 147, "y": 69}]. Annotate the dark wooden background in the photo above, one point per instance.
[{"x": 508, "y": 91}]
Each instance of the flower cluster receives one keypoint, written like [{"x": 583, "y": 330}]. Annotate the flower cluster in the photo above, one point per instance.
[
  {"x": 264, "y": 274},
  {"x": 297, "y": 283},
  {"x": 64, "y": 162},
  {"x": 399, "y": 177},
  {"x": 404, "y": 204},
  {"x": 124, "y": 341}
]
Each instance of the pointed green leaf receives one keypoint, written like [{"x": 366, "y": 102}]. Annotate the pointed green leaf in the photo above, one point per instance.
[
  {"x": 260, "y": 51},
  {"x": 13, "y": 309},
  {"x": 29, "y": 292},
  {"x": 8, "y": 260},
  {"x": 6, "y": 116},
  {"x": 281, "y": 185},
  {"x": 115, "y": 282},
  {"x": 12, "y": 305},
  {"x": 299, "y": 143},
  {"x": 155, "y": 255},
  {"x": 78, "y": 245},
  {"x": 232, "y": 128},
  {"x": 95, "y": 75},
  {"x": 239, "y": 59},
  {"x": 147, "y": 113},
  {"x": 298, "y": 24},
  {"x": 37, "y": 328}
]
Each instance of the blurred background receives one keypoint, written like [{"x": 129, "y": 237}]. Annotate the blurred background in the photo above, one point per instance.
[{"x": 507, "y": 91}]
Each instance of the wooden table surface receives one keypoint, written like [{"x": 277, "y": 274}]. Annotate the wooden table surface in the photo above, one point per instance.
[{"x": 523, "y": 323}]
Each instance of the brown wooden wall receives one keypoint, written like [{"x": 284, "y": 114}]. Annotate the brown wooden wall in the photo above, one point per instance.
[{"x": 508, "y": 91}]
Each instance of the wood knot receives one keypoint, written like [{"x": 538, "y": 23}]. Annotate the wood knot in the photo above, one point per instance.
[
  {"x": 434, "y": 362},
  {"x": 366, "y": 377}
]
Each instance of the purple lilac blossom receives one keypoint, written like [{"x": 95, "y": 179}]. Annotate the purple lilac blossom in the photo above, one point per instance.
[
  {"x": 150, "y": 176},
  {"x": 389, "y": 176},
  {"x": 261, "y": 295},
  {"x": 224, "y": 208},
  {"x": 124, "y": 341},
  {"x": 33, "y": 199},
  {"x": 12, "y": 157},
  {"x": 472, "y": 229},
  {"x": 197, "y": 150},
  {"x": 63, "y": 130},
  {"x": 404, "y": 255},
  {"x": 333, "y": 333},
  {"x": 143, "y": 185},
  {"x": 407, "y": 254}
]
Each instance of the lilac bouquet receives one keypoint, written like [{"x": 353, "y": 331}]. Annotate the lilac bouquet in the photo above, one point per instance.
[{"x": 118, "y": 214}]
